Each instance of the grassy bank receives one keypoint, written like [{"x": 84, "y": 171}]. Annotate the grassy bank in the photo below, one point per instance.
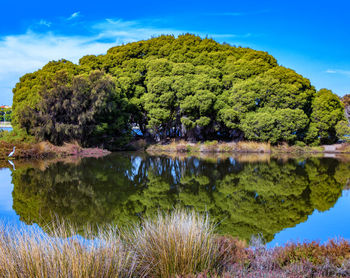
[
  {"x": 47, "y": 150},
  {"x": 182, "y": 146},
  {"x": 181, "y": 244}
]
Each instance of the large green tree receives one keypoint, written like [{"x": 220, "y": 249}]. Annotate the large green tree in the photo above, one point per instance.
[{"x": 197, "y": 89}]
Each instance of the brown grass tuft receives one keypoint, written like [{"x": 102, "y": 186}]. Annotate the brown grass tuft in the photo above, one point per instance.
[{"x": 175, "y": 244}]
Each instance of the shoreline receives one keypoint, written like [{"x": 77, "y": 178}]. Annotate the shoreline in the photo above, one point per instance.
[
  {"x": 45, "y": 150},
  {"x": 244, "y": 147}
]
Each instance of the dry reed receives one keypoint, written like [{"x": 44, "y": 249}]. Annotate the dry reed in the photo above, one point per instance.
[
  {"x": 175, "y": 244},
  {"x": 29, "y": 252},
  {"x": 179, "y": 244}
]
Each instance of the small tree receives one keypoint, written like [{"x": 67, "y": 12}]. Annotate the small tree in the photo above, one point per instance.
[{"x": 88, "y": 109}]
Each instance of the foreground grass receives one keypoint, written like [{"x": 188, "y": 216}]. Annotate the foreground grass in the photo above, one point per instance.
[{"x": 181, "y": 244}]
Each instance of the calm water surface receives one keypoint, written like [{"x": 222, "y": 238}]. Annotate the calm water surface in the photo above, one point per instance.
[{"x": 281, "y": 199}]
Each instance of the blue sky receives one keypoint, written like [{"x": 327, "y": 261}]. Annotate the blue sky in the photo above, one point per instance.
[{"x": 311, "y": 37}]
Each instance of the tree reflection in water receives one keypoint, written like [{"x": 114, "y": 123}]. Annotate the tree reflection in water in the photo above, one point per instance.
[{"x": 245, "y": 197}]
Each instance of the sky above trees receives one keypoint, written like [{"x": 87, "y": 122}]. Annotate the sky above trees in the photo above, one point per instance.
[{"x": 310, "y": 37}]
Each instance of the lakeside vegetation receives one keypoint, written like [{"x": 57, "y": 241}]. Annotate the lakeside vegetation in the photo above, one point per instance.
[
  {"x": 180, "y": 244},
  {"x": 43, "y": 150},
  {"x": 186, "y": 88},
  {"x": 182, "y": 146}
]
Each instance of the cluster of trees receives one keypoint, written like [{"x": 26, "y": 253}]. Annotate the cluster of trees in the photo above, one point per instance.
[
  {"x": 185, "y": 87},
  {"x": 245, "y": 198},
  {"x": 5, "y": 114}
]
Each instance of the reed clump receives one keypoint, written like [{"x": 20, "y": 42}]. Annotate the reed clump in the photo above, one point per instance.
[
  {"x": 32, "y": 253},
  {"x": 176, "y": 244}
]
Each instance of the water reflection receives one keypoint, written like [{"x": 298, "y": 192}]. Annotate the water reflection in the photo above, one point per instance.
[{"x": 246, "y": 197}]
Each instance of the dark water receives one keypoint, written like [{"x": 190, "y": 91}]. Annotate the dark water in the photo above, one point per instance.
[{"x": 281, "y": 199}]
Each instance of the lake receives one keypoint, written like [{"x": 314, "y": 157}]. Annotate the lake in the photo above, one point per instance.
[
  {"x": 282, "y": 199},
  {"x": 6, "y": 128}
]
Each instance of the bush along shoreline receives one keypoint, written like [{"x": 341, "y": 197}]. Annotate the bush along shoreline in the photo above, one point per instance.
[
  {"x": 181, "y": 146},
  {"x": 178, "y": 244},
  {"x": 44, "y": 150}
]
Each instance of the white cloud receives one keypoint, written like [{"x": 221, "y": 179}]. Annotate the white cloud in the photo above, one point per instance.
[
  {"x": 74, "y": 15},
  {"x": 45, "y": 23},
  {"x": 248, "y": 13},
  {"x": 20, "y": 54},
  {"x": 339, "y": 71},
  {"x": 30, "y": 51},
  {"x": 129, "y": 31}
]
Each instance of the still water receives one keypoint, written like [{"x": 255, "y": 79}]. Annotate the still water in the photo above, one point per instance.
[
  {"x": 5, "y": 128},
  {"x": 282, "y": 199}
]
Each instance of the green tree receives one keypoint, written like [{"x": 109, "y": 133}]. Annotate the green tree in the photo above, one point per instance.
[
  {"x": 196, "y": 89},
  {"x": 281, "y": 125},
  {"x": 327, "y": 111},
  {"x": 88, "y": 109}
]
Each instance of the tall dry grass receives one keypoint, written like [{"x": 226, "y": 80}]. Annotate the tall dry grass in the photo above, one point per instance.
[
  {"x": 175, "y": 244},
  {"x": 32, "y": 253},
  {"x": 179, "y": 244}
]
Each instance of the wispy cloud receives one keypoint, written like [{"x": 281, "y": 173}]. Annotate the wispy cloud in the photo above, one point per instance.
[
  {"x": 240, "y": 13},
  {"x": 129, "y": 31},
  {"x": 339, "y": 71},
  {"x": 74, "y": 15},
  {"x": 45, "y": 23}
]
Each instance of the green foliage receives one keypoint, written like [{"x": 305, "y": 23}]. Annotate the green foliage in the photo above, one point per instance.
[
  {"x": 196, "y": 89},
  {"x": 342, "y": 130},
  {"x": 88, "y": 109},
  {"x": 327, "y": 111},
  {"x": 27, "y": 92},
  {"x": 16, "y": 135},
  {"x": 281, "y": 125}
]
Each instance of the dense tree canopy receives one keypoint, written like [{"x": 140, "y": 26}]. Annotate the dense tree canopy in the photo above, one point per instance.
[
  {"x": 86, "y": 108},
  {"x": 187, "y": 87}
]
